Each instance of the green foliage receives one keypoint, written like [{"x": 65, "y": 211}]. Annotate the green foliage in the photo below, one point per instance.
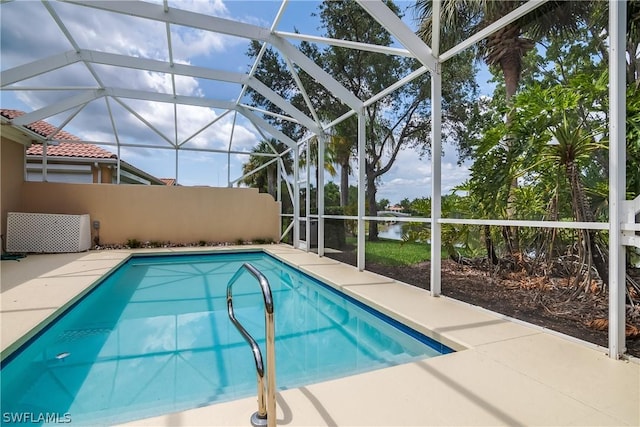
[
  {"x": 633, "y": 140},
  {"x": 331, "y": 195},
  {"x": 266, "y": 179},
  {"x": 382, "y": 204},
  {"x": 334, "y": 210},
  {"x": 261, "y": 241},
  {"x": 394, "y": 252},
  {"x": 405, "y": 203},
  {"x": 134, "y": 243}
]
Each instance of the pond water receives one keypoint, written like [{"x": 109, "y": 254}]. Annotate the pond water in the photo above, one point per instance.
[{"x": 390, "y": 231}]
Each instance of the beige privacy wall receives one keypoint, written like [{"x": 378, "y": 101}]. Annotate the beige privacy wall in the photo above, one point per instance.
[{"x": 160, "y": 214}]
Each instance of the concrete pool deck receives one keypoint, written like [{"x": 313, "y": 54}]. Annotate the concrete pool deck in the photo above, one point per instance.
[{"x": 505, "y": 372}]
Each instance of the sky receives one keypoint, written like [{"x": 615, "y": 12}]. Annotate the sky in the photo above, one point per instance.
[{"x": 410, "y": 177}]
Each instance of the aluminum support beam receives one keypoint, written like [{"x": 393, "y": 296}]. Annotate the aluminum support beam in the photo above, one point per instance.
[
  {"x": 262, "y": 124},
  {"x": 436, "y": 178},
  {"x": 145, "y": 64},
  {"x": 296, "y": 197},
  {"x": 362, "y": 138},
  {"x": 307, "y": 197},
  {"x": 322, "y": 140},
  {"x": 185, "y": 18},
  {"x": 211, "y": 123},
  {"x": 258, "y": 169},
  {"x": 279, "y": 198},
  {"x": 233, "y": 128},
  {"x": 316, "y": 72},
  {"x": 346, "y": 43},
  {"x": 305, "y": 95},
  {"x": 390, "y": 21},
  {"x": 497, "y": 25},
  {"x": 435, "y": 28},
  {"x": 397, "y": 85},
  {"x": 169, "y": 98},
  {"x": 145, "y": 121},
  {"x": 284, "y": 105},
  {"x": 44, "y": 161},
  {"x": 617, "y": 174},
  {"x": 58, "y": 107},
  {"x": 269, "y": 113},
  {"x": 630, "y": 208},
  {"x": 38, "y": 67}
]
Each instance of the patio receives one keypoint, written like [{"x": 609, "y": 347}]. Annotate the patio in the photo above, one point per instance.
[{"x": 504, "y": 372}]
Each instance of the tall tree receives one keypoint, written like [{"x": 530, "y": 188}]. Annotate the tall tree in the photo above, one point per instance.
[
  {"x": 327, "y": 163},
  {"x": 504, "y": 49},
  {"x": 342, "y": 146},
  {"x": 397, "y": 121}
]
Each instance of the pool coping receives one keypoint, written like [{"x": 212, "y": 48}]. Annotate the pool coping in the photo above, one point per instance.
[{"x": 559, "y": 373}]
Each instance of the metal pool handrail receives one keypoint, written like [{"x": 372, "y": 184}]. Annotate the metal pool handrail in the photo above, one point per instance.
[{"x": 266, "y": 414}]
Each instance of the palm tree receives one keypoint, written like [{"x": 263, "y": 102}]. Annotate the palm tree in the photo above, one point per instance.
[
  {"x": 265, "y": 179},
  {"x": 573, "y": 147},
  {"x": 329, "y": 161},
  {"x": 505, "y": 48},
  {"x": 342, "y": 148}
]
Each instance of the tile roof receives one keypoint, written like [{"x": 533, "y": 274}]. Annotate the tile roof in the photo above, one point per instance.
[
  {"x": 63, "y": 149},
  {"x": 70, "y": 149}
]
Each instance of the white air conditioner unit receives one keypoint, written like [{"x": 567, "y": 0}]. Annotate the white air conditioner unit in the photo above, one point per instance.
[{"x": 47, "y": 233}]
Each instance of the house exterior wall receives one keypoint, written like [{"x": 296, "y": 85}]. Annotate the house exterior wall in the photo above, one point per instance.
[
  {"x": 60, "y": 171},
  {"x": 11, "y": 177},
  {"x": 63, "y": 170},
  {"x": 159, "y": 213},
  {"x": 106, "y": 175}
]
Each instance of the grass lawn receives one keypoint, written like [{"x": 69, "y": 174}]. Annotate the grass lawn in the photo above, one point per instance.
[{"x": 394, "y": 252}]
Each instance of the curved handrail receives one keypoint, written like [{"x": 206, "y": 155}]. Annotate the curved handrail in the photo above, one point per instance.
[{"x": 266, "y": 410}]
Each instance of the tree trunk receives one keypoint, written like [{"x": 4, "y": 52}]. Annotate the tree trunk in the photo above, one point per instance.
[
  {"x": 373, "y": 207},
  {"x": 344, "y": 184},
  {"x": 511, "y": 69},
  {"x": 583, "y": 213},
  {"x": 271, "y": 181},
  {"x": 488, "y": 243},
  {"x": 633, "y": 64}
]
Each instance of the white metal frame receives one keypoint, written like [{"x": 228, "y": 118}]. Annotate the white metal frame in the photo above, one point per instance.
[{"x": 622, "y": 226}]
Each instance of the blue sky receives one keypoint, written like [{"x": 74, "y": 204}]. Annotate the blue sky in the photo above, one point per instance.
[{"x": 103, "y": 31}]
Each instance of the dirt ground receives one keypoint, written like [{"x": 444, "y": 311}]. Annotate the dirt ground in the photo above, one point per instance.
[{"x": 546, "y": 303}]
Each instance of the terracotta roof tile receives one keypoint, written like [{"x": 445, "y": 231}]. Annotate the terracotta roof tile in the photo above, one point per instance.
[
  {"x": 40, "y": 127},
  {"x": 63, "y": 149},
  {"x": 70, "y": 149}
]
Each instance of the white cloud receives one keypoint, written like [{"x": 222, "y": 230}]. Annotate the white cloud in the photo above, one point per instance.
[
  {"x": 93, "y": 29},
  {"x": 210, "y": 7},
  {"x": 410, "y": 176}
]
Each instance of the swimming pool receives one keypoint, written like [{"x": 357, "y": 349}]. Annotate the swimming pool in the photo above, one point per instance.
[{"x": 154, "y": 337}]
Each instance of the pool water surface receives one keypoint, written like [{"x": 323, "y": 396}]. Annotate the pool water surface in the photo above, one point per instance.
[{"x": 154, "y": 337}]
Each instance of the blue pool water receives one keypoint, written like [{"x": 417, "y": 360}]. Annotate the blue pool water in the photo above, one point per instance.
[{"x": 155, "y": 337}]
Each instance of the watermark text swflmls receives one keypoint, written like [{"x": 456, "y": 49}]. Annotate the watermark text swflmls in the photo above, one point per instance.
[{"x": 36, "y": 417}]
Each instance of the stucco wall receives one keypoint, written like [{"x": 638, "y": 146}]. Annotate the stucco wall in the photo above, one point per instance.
[
  {"x": 141, "y": 212},
  {"x": 11, "y": 177},
  {"x": 157, "y": 213}
]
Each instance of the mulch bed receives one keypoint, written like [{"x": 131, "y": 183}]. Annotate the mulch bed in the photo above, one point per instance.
[{"x": 543, "y": 302}]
